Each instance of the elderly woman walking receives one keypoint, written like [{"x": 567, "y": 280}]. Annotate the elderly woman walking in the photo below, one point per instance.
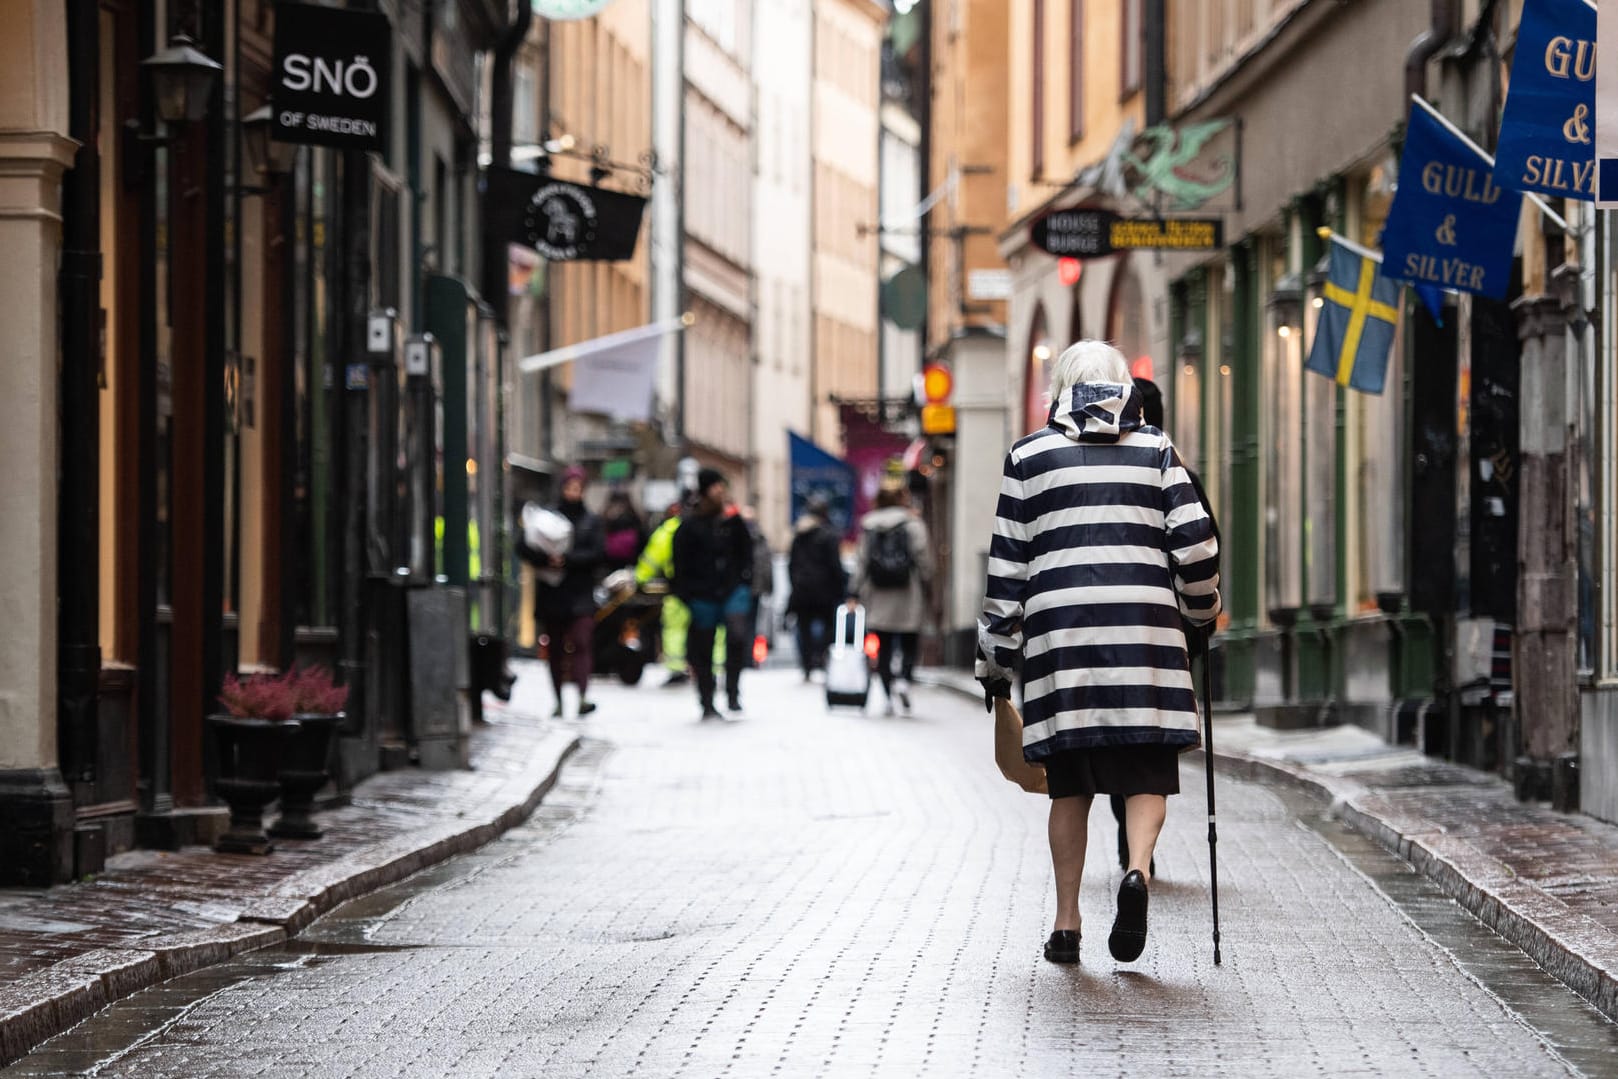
[{"x": 1100, "y": 547}]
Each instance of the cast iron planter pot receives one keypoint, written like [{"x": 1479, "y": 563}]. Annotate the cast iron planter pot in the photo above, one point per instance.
[
  {"x": 250, "y": 754},
  {"x": 303, "y": 773}
]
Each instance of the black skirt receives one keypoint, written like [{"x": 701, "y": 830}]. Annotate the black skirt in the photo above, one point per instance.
[{"x": 1121, "y": 770}]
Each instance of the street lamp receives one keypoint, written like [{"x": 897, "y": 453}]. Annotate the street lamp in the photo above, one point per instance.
[
  {"x": 1286, "y": 305},
  {"x": 182, "y": 79},
  {"x": 266, "y": 155}
]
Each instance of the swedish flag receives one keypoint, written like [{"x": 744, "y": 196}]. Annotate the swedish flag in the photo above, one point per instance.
[{"x": 1358, "y": 320}]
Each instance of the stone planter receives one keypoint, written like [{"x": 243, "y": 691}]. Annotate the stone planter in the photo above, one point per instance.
[
  {"x": 250, "y": 752},
  {"x": 303, "y": 773}
]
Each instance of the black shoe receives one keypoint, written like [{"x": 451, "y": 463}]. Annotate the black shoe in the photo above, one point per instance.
[
  {"x": 735, "y": 702},
  {"x": 710, "y": 712},
  {"x": 678, "y": 678},
  {"x": 586, "y": 707},
  {"x": 1128, "y": 937},
  {"x": 1063, "y": 947}
]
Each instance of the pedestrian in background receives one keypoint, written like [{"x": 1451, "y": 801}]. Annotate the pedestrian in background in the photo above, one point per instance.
[
  {"x": 656, "y": 563},
  {"x": 815, "y": 573},
  {"x": 566, "y": 609},
  {"x": 763, "y": 583},
  {"x": 893, "y": 578},
  {"x": 713, "y": 568},
  {"x": 1100, "y": 547},
  {"x": 623, "y": 532}
]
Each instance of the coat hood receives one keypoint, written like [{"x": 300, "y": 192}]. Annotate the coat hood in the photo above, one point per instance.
[
  {"x": 886, "y": 517},
  {"x": 1097, "y": 411}
]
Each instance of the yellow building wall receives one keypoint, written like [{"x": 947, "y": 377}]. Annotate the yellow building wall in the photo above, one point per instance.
[{"x": 600, "y": 93}]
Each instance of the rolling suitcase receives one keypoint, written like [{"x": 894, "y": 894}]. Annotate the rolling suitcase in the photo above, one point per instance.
[{"x": 848, "y": 670}]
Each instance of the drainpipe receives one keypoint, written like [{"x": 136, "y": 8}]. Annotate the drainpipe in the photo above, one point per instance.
[
  {"x": 1443, "y": 24},
  {"x": 500, "y": 135}
]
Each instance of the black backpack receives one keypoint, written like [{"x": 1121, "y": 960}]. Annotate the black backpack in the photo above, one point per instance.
[{"x": 888, "y": 561}]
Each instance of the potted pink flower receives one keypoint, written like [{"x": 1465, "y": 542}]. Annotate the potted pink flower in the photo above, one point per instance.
[
  {"x": 250, "y": 739},
  {"x": 317, "y": 708}
]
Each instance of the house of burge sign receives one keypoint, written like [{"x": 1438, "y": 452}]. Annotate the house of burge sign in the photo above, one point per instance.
[
  {"x": 331, "y": 76},
  {"x": 564, "y": 222}
]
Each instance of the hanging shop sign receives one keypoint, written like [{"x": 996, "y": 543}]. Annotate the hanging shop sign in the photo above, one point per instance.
[
  {"x": 1547, "y": 136},
  {"x": 1451, "y": 224},
  {"x": 563, "y": 221},
  {"x": 1098, "y": 233},
  {"x": 331, "y": 83}
]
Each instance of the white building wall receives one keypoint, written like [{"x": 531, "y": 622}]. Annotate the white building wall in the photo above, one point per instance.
[{"x": 782, "y": 65}]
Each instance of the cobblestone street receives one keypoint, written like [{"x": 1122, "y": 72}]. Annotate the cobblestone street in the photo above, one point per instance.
[{"x": 809, "y": 894}]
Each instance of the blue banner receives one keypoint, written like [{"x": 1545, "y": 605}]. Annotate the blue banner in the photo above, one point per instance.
[
  {"x": 1451, "y": 224},
  {"x": 1547, "y": 138},
  {"x": 816, "y": 472}
]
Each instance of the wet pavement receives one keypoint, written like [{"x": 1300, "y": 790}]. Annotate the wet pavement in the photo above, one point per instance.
[
  {"x": 66, "y": 951},
  {"x": 810, "y": 894}
]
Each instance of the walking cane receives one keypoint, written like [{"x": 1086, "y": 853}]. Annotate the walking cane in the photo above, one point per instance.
[{"x": 1213, "y": 831}]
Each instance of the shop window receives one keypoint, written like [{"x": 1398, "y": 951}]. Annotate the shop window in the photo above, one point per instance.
[{"x": 1282, "y": 436}]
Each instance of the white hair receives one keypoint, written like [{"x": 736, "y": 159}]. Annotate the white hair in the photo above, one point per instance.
[{"x": 1088, "y": 361}]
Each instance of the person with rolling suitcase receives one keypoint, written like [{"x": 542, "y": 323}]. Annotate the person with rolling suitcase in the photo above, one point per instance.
[{"x": 848, "y": 669}]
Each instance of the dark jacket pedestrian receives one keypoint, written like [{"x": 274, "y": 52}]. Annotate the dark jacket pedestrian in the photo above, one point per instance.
[
  {"x": 817, "y": 579},
  {"x": 566, "y": 609},
  {"x": 713, "y": 571},
  {"x": 1100, "y": 548}
]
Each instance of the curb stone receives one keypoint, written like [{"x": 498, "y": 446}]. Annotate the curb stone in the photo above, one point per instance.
[
  {"x": 44, "y": 1003},
  {"x": 1535, "y": 921}
]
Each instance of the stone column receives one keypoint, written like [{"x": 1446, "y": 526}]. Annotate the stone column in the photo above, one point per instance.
[
  {"x": 36, "y": 811},
  {"x": 1544, "y": 650}
]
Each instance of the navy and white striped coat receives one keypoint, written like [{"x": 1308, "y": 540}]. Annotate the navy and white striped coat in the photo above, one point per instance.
[{"x": 1100, "y": 546}]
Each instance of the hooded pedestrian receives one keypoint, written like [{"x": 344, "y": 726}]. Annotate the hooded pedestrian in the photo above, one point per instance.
[
  {"x": 713, "y": 571},
  {"x": 893, "y": 578},
  {"x": 623, "y": 531},
  {"x": 816, "y": 576},
  {"x": 566, "y": 608},
  {"x": 1100, "y": 548},
  {"x": 656, "y": 563}
]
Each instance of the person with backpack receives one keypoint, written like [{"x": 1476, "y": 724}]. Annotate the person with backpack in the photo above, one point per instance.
[
  {"x": 893, "y": 578},
  {"x": 815, "y": 574}
]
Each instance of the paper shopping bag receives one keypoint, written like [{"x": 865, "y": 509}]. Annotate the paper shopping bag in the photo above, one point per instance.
[{"x": 1008, "y": 749}]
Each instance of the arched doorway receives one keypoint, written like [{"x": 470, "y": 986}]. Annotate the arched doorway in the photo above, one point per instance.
[{"x": 1127, "y": 325}]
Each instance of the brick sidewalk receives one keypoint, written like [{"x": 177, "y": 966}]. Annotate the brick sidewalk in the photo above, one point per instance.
[
  {"x": 1546, "y": 881},
  {"x": 67, "y": 952}
]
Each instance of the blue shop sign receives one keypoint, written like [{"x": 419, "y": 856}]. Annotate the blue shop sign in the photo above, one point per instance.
[
  {"x": 1451, "y": 224},
  {"x": 1547, "y": 138}
]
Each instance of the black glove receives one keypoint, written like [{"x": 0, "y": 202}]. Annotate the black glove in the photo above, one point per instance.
[{"x": 994, "y": 688}]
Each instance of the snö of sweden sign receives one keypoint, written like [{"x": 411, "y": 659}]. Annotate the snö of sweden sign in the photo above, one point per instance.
[
  {"x": 1547, "y": 140},
  {"x": 330, "y": 83}
]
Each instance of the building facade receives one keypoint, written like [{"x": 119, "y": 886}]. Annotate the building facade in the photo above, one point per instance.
[
  {"x": 845, "y": 97},
  {"x": 782, "y": 246},
  {"x": 194, "y": 394}
]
